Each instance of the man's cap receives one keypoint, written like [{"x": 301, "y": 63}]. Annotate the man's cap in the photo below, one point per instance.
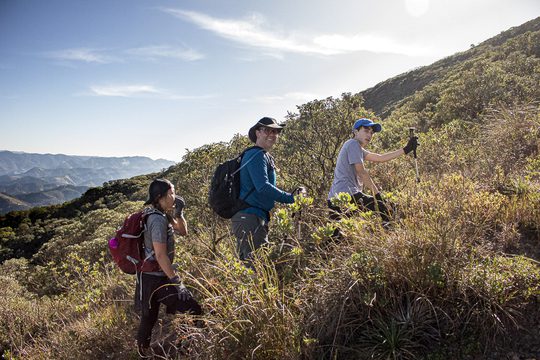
[
  {"x": 264, "y": 122},
  {"x": 367, "y": 122},
  {"x": 157, "y": 189}
]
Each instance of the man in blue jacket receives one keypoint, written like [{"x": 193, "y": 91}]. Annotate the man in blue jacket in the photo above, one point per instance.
[{"x": 258, "y": 189}]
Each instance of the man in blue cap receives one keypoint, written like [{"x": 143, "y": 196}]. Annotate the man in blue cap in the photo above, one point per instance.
[{"x": 350, "y": 175}]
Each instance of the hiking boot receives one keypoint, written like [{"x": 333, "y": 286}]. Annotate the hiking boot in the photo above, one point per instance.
[{"x": 144, "y": 351}]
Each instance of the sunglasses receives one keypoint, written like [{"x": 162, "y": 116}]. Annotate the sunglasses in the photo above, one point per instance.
[{"x": 268, "y": 130}]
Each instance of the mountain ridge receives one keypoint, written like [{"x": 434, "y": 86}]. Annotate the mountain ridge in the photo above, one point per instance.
[
  {"x": 48, "y": 179},
  {"x": 17, "y": 162},
  {"x": 10, "y": 203},
  {"x": 386, "y": 95}
]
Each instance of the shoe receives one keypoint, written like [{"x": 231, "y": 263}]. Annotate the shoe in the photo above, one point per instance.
[{"x": 144, "y": 351}]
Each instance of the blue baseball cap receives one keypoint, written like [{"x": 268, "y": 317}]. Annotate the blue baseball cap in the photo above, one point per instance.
[{"x": 366, "y": 122}]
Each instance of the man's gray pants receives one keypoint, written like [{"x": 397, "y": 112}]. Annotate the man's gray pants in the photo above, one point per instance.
[{"x": 251, "y": 233}]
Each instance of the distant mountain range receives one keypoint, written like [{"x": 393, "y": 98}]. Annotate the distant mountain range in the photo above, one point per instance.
[{"x": 28, "y": 180}]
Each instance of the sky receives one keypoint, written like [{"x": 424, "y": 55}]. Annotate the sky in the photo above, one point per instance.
[{"x": 156, "y": 77}]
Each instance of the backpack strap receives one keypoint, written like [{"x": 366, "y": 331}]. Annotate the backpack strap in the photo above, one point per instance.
[
  {"x": 150, "y": 211},
  {"x": 147, "y": 213},
  {"x": 253, "y": 189},
  {"x": 241, "y": 156}
]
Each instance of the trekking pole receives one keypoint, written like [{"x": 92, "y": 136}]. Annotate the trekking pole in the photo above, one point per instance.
[
  {"x": 299, "y": 218},
  {"x": 301, "y": 192},
  {"x": 411, "y": 134}
]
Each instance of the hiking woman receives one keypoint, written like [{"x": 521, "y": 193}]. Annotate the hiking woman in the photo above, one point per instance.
[{"x": 165, "y": 217}]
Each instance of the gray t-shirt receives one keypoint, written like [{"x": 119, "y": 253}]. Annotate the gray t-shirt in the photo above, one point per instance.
[
  {"x": 345, "y": 179},
  {"x": 158, "y": 230}
]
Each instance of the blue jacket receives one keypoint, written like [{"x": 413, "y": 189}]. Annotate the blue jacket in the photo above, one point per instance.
[{"x": 258, "y": 182}]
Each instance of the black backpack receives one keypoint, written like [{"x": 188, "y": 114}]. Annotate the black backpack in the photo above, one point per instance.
[{"x": 224, "y": 194}]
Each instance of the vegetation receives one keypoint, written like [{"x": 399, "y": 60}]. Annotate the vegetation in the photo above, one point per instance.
[{"x": 456, "y": 276}]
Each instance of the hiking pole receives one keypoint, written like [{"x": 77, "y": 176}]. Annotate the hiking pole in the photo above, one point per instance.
[
  {"x": 411, "y": 134},
  {"x": 300, "y": 192},
  {"x": 299, "y": 218}
]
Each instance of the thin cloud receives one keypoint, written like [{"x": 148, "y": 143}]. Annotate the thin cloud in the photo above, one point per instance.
[
  {"x": 124, "y": 90},
  {"x": 155, "y": 52},
  {"x": 166, "y": 51},
  {"x": 141, "y": 91},
  {"x": 81, "y": 54},
  {"x": 250, "y": 33},
  {"x": 369, "y": 42},
  {"x": 252, "y": 57}
]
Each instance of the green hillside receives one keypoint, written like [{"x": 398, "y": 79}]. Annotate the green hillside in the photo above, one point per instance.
[
  {"x": 385, "y": 96},
  {"x": 456, "y": 277}
]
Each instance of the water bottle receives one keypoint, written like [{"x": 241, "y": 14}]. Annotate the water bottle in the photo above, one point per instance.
[{"x": 113, "y": 243}]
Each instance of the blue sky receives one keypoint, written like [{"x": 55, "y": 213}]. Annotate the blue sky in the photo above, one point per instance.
[{"x": 156, "y": 77}]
